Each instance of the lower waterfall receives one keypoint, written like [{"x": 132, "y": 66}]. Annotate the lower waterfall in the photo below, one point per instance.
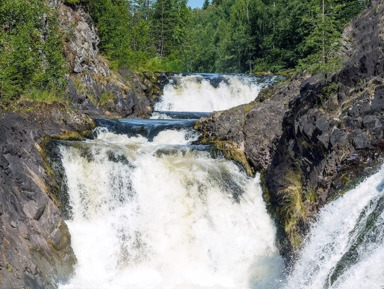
[{"x": 147, "y": 215}]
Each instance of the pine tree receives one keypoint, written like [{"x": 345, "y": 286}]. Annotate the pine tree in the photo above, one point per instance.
[{"x": 206, "y": 4}]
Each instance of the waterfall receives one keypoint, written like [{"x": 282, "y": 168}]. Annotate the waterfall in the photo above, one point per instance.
[
  {"x": 345, "y": 248},
  {"x": 210, "y": 92},
  {"x": 150, "y": 208},
  {"x": 146, "y": 217}
]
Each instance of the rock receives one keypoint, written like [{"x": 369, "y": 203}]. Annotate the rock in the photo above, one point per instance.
[
  {"x": 378, "y": 100},
  {"x": 81, "y": 45},
  {"x": 371, "y": 121},
  {"x": 254, "y": 126},
  {"x": 30, "y": 219},
  {"x": 92, "y": 86},
  {"x": 360, "y": 141}
]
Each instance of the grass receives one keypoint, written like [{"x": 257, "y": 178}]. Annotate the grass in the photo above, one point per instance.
[
  {"x": 248, "y": 107},
  {"x": 49, "y": 95},
  {"x": 106, "y": 97}
]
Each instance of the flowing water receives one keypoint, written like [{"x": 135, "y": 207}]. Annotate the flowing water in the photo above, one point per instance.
[
  {"x": 345, "y": 248},
  {"x": 210, "y": 92},
  {"x": 150, "y": 208}
]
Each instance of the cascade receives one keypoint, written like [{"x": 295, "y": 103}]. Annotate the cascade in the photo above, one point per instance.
[
  {"x": 345, "y": 248},
  {"x": 150, "y": 208},
  {"x": 210, "y": 92}
]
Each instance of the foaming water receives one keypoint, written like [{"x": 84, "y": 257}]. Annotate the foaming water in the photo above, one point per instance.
[
  {"x": 144, "y": 220},
  {"x": 151, "y": 209},
  {"x": 198, "y": 93},
  {"x": 345, "y": 248}
]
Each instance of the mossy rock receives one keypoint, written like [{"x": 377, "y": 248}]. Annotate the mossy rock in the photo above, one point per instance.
[{"x": 231, "y": 151}]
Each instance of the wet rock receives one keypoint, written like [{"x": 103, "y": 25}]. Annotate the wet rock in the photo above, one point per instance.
[{"x": 254, "y": 126}]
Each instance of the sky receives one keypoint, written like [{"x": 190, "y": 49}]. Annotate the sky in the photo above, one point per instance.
[{"x": 196, "y": 3}]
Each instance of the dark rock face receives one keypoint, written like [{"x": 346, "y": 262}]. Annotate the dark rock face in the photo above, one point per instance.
[
  {"x": 329, "y": 136},
  {"x": 35, "y": 243},
  {"x": 253, "y": 127}
]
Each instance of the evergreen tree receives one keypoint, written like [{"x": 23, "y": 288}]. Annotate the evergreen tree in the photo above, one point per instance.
[
  {"x": 206, "y": 4},
  {"x": 31, "y": 54}
]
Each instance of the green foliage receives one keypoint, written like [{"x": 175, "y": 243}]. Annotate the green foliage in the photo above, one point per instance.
[
  {"x": 166, "y": 35},
  {"x": 30, "y": 49},
  {"x": 262, "y": 35},
  {"x": 223, "y": 36},
  {"x": 44, "y": 95},
  {"x": 139, "y": 34}
]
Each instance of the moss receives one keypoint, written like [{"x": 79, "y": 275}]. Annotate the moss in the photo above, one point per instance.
[
  {"x": 106, "y": 97},
  {"x": 294, "y": 212},
  {"x": 266, "y": 93},
  {"x": 232, "y": 152},
  {"x": 248, "y": 107},
  {"x": 311, "y": 196},
  {"x": 54, "y": 188},
  {"x": 264, "y": 187},
  {"x": 70, "y": 135}
]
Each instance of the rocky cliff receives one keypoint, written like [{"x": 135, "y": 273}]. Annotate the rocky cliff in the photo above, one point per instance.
[
  {"x": 92, "y": 86},
  {"x": 312, "y": 138},
  {"x": 34, "y": 240}
]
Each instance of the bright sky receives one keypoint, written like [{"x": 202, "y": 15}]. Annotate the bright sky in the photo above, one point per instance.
[{"x": 196, "y": 3}]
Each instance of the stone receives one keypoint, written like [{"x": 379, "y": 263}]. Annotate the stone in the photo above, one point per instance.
[
  {"x": 28, "y": 212},
  {"x": 370, "y": 122},
  {"x": 360, "y": 141}
]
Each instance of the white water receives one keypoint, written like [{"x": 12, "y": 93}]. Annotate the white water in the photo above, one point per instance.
[
  {"x": 168, "y": 221},
  {"x": 160, "y": 215},
  {"x": 195, "y": 93},
  {"x": 339, "y": 224}
]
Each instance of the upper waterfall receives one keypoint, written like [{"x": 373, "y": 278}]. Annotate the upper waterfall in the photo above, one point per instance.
[{"x": 210, "y": 92}]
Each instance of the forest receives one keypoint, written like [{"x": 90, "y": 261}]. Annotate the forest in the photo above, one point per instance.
[
  {"x": 231, "y": 36},
  {"x": 223, "y": 36}
]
